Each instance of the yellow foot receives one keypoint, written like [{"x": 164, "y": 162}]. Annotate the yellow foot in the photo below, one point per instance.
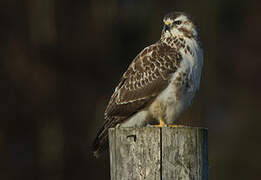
[
  {"x": 161, "y": 123},
  {"x": 175, "y": 125}
]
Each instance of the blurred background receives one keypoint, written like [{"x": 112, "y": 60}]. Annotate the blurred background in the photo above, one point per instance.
[{"x": 61, "y": 59}]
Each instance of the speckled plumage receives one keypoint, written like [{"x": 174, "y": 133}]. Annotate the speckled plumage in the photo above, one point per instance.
[{"x": 160, "y": 82}]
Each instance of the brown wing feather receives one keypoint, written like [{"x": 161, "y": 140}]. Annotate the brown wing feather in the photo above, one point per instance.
[{"x": 144, "y": 79}]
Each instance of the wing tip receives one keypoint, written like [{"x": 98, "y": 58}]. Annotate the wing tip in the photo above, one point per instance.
[
  {"x": 100, "y": 144},
  {"x": 96, "y": 154},
  {"x": 98, "y": 150}
]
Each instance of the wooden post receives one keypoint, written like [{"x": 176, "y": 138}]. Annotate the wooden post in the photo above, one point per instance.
[{"x": 169, "y": 153}]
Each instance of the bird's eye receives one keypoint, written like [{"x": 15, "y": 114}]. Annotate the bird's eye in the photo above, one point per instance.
[{"x": 177, "y": 22}]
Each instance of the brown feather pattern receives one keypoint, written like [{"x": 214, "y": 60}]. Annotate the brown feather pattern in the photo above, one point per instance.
[{"x": 145, "y": 78}]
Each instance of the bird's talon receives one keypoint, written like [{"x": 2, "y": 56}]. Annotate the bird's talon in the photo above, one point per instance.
[
  {"x": 175, "y": 125},
  {"x": 160, "y": 125}
]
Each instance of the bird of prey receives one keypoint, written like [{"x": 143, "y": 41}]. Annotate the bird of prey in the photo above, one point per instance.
[{"x": 160, "y": 83}]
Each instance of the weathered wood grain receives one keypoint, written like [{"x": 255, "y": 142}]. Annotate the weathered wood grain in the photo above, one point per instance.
[
  {"x": 184, "y": 153},
  {"x": 158, "y": 153},
  {"x": 135, "y": 154}
]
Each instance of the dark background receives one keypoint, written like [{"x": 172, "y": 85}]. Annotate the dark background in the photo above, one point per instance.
[{"x": 61, "y": 59}]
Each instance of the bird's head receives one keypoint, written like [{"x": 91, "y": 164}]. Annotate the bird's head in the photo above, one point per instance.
[{"x": 178, "y": 23}]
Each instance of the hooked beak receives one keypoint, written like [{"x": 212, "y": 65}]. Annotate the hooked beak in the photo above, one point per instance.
[
  {"x": 166, "y": 28},
  {"x": 167, "y": 24}
]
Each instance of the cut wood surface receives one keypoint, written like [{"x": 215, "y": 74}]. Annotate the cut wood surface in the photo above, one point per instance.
[{"x": 168, "y": 153}]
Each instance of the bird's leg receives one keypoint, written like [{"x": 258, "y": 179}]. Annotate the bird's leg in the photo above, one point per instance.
[{"x": 161, "y": 123}]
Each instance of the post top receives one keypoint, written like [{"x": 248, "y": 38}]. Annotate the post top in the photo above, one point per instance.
[{"x": 167, "y": 127}]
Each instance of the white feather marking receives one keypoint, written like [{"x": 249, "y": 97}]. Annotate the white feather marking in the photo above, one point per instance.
[
  {"x": 137, "y": 120},
  {"x": 192, "y": 66}
]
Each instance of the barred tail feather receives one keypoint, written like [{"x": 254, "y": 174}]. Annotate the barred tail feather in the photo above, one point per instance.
[{"x": 101, "y": 143}]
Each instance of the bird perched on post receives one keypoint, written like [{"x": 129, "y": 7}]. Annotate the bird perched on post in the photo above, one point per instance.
[{"x": 160, "y": 83}]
